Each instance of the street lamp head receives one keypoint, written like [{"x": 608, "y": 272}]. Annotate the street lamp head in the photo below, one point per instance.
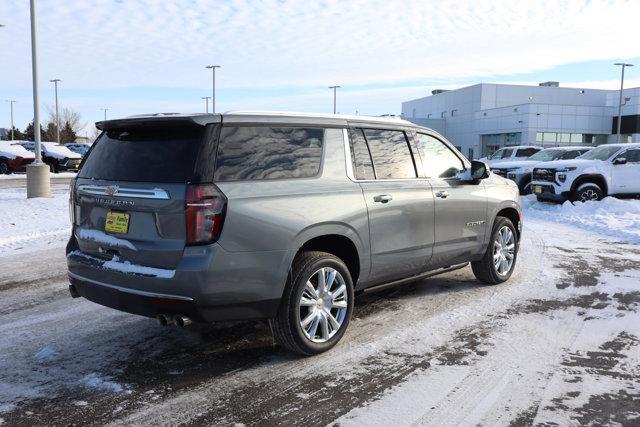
[
  {"x": 212, "y": 66},
  {"x": 623, "y": 64},
  {"x": 334, "y": 87}
]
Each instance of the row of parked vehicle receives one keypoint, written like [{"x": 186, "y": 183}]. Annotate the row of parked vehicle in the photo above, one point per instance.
[
  {"x": 571, "y": 173},
  {"x": 16, "y": 155}
]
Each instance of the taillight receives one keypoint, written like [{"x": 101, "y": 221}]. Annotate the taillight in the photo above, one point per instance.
[
  {"x": 205, "y": 210},
  {"x": 72, "y": 201}
]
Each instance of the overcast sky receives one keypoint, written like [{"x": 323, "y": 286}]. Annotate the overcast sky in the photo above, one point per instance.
[{"x": 140, "y": 56}]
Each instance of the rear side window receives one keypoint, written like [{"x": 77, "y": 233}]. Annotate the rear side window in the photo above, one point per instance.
[
  {"x": 145, "y": 154},
  {"x": 390, "y": 153},
  {"x": 258, "y": 153},
  {"x": 526, "y": 152},
  {"x": 360, "y": 156}
]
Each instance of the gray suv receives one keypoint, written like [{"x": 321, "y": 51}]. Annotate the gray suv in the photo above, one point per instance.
[{"x": 285, "y": 217}]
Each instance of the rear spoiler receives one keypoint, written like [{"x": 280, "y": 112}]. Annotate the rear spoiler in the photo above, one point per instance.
[{"x": 159, "y": 120}]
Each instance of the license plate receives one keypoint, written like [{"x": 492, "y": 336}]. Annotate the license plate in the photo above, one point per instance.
[
  {"x": 116, "y": 222},
  {"x": 537, "y": 189}
]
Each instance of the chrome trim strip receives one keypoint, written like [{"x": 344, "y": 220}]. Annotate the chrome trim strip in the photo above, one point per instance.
[
  {"x": 117, "y": 191},
  {"x": 131, "y": 291}
]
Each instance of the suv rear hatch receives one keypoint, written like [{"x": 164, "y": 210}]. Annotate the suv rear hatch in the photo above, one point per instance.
[{"x": 130, "y": 194}]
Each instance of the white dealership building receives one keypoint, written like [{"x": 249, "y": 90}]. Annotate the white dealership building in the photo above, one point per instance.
[{"x": 480, "y": 119}]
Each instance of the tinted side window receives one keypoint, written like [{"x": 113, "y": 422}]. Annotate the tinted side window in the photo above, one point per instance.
[
  {"x": 390, "y": 154},
  {"x": 256, "y": 153},
  {"x": 153, "y": 154},
  {"x": 570, "y": 155},
  {"x": 526, "y": 152},
  {"x": 438, "y": 160},
  {"x": 360, "y": 156},
  {"x": 632, "y": 156}
]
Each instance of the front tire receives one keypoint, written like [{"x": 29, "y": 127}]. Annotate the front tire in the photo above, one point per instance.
[
  {"x": 498, "y": 262},
  {"x": 316, "y": 306},
  {"x": 587, "y": 192},
  {"x": 4, "y": 167}
]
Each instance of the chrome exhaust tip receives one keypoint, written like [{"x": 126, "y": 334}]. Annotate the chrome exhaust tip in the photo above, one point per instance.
[
  {"x": 164, "y": 320},
  {"x": 183, "y": 321}
]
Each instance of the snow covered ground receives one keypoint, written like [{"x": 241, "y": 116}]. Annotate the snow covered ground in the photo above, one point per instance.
[
  {"x": 33, "y": 224},
  {"x": 559, "y": 343},
  {"x": 24, "y": 175}
]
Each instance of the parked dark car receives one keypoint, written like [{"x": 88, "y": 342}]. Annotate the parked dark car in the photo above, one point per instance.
[
  {"x": 57, "y": 156},
  {"x": 14, "y": 157}
]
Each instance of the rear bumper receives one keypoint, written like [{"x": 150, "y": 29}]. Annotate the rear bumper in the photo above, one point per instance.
[
  {"x": 209, "y": 284},
  {"x": 150, "y": 304}
]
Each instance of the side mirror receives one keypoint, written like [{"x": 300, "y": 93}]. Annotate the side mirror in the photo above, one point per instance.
[
  {"x": 479, "y": 170},
  {"x": 620, "y": 161}
]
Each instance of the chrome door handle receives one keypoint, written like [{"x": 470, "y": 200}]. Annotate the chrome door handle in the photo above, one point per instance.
[
  {"x": 442, "y": 194},
  {"x": 382, "y": 198}
]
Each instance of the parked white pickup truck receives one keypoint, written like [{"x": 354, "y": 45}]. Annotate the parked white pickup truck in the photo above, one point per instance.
[
  {"x": 612, "y": 169},
  {"x": 507, "y": 154},
  {"x": 519, "y": 171}
]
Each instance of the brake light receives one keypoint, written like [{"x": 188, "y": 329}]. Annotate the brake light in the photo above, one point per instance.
[
  {"x": 72, "y": 201},
  {"x": 205, "y": 211}
]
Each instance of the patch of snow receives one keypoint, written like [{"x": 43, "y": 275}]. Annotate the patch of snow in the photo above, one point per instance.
[
  {"x": 101, "y": 237},
  {"x": 80, "y": 403},
  {"x": 127, "y": 267},
  {"x": 11, "y": 151},
  {"x": 94, "y": 381},
  {"x": 51, "y": 174},
  {"x": 47, "y": 354},
  {"x": 32, "y": 224},
  {"x": 611, "y": 217}
]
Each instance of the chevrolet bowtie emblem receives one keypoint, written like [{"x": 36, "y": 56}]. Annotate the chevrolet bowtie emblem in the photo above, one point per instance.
[{"x": 111, "y": 190}]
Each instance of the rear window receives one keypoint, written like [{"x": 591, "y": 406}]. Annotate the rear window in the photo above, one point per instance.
[
  {"x": 158, "y": 154},
  {"x": 260, "y": 152}
]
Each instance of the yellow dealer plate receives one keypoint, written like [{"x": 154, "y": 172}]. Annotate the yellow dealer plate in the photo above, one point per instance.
[
  {"x": 116, "y": 222},
  {"x": 537, "y": 189}
]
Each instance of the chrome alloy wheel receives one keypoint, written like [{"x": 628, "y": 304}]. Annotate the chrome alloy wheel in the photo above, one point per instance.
[
  {"x": 323, "y": 305},
  {"x": 504, "y": 250},
  {"x": 587, "y": 195}
]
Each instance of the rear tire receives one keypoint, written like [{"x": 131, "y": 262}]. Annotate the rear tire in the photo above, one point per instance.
[
  {"x": 587, "y": 192},
  {"x": 503, "y": 248},
  {"x": 310, "y": 320}
]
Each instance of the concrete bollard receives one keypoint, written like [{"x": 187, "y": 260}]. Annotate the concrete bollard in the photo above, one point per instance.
[{"x": 38, "y": 181}]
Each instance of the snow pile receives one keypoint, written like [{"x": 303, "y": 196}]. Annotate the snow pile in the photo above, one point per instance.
[
  {"x": 51, "y": 174},
  {"x": 611, "y": 217},
  {"x": 117, "y": 264},
  {"x": 29, "y": 224},
  {"x": 94, "y": 381},
  {"x": 101, "y": 237}
]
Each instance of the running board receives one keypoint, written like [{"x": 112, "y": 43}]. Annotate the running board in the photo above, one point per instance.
[{"x": 414, "y": 278}]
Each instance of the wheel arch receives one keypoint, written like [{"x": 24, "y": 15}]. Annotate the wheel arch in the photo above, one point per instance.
[
  {"x": 597, "y": 179},
  {"x": 513, "y": 215}
]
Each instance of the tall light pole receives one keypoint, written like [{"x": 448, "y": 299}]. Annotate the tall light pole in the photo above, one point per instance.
[
  {"x": 335, "y": 88},
  {"x": 623, "y": 65},
  {"x": 206, "y": 102},
  {"x": 105, "y": 112},
  {"x": 11, "y": 101},
  {"x": 213, "y": 91},
  {"x": 55, "y": 82},
  {"x": 38, "y": 179}
]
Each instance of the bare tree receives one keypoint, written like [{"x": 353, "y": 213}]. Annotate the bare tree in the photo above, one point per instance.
[{"x": 68, "y": 117}]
